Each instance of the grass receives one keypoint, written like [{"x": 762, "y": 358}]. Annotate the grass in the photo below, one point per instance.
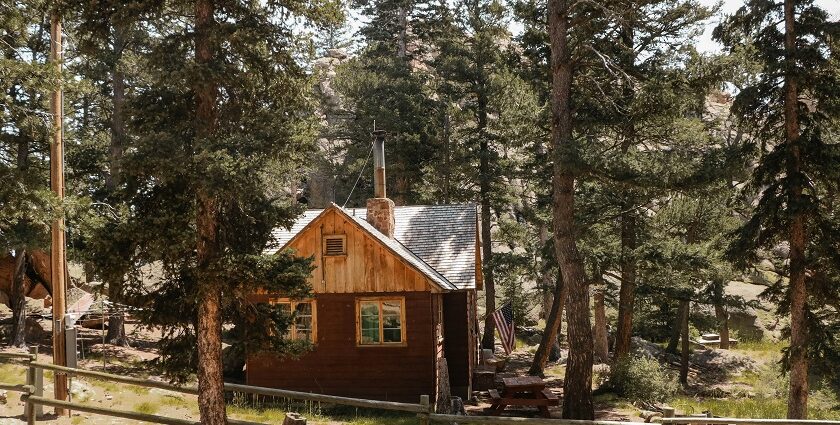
[
  {"x": 319, "y": 414},
  {"x": 78, "y": 420},
  {"x": 759, "y": 407},
  {"x": 147, "y": 407},
  {"x": 767, "y": 395},
  {"x": 762, "y": 346},
  {"x": 107, "y": 386},
  {"x": 174, "y": 401},
  {"x": 13, "y": 374},
  {"x": 136, "y": 389},
  {"x": 556, "y": 370}
]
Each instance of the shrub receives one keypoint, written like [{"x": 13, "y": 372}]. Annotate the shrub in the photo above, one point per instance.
[{"x": 642, "y": 379}]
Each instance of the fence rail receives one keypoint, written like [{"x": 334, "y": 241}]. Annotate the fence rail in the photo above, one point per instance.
[
  {"x": 34, "y": 399},
  {"x": 500, "y": 420}
]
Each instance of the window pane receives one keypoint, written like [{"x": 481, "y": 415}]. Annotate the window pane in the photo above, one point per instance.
[
  {"x": 370, "y": 322},
  {"x": 370, "y": 336},
  {"x": 304, "y": 309},
  {"x": 392, "y": 335},
  {"x": 391, "y": 322},
  {"x": 391, "y": 308},
  {"x": 303, "y": 323},
  {"x": 370, "y": 308}
]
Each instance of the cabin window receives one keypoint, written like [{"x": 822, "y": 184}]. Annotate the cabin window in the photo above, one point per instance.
[
  {"x": 335, "y": 245},
  {"x": 381, "y": 321},
  {"x": 304, "y": 324}
]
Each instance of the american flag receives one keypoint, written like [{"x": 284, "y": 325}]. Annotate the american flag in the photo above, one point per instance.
[{"x": 503, "y": 318}]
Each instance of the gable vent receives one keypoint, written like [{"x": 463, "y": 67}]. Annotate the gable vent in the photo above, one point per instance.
[{"x": 335, "y": 245}]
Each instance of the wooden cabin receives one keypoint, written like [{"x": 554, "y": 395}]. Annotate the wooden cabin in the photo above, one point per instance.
[{"x": 393, "y": 314}]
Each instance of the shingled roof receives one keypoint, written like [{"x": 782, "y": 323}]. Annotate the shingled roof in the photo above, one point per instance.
[{"x": 441, "y": 237}]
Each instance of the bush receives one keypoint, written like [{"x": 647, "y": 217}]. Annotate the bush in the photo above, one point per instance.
[{"x": 642, "y": 379}]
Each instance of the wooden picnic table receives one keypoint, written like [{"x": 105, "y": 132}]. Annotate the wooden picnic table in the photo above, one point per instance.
[{"x": 523, "y": 391}]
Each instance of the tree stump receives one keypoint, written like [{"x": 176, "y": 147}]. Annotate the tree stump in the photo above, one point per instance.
[
  {"x": 484, "y": 379},
  {"x": 293, "y": 418}
]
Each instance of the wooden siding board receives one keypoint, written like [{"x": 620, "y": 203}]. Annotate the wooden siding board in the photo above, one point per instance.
[
  {"x": 370, "y": 272},
  {"x": 337, "y": 366},
  {"x": 390, "y": 281},
  {"x": 368, "y": 266},
  {"x": 358, "y": 275}
]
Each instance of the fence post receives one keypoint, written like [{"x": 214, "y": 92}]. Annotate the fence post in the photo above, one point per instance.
[
  {"x": 37, "y": 381},
  {"x": 668, "y": 412},
  {"x": 29, "y": 408},
  {"x": 427, "y": 409}
]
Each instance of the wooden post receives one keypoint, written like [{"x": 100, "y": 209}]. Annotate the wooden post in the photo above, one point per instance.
[
  {"x": 668, "y": 412},
  {"x": 35, "y": 379},
  {"x": 427, "y": 409},
  {"x": 57, "y": 252}
]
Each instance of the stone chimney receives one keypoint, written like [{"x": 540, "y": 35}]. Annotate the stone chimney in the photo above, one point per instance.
[{"x": 380, "y": 209}]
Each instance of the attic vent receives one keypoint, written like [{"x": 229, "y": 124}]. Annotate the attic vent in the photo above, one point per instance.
[{"x": 335, "y": 245}]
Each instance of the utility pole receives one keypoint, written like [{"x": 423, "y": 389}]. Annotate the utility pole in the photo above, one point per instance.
[{"x": 58, "y": 256}]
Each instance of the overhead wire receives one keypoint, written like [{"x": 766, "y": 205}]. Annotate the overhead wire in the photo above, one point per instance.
[{"x": 370, "y": 152}]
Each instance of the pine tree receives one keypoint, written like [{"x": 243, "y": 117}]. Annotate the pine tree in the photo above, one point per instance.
[
  {"x": 789, "y": 110},
  {"x": 26, "y": 205},
  {"x": 577, "y": 385},
  {"x": 218, "y": 118},
  {"x": 492, "y": 109},
  {"x": 108, "y": 36},
  {"x": 388, "y": 86}
]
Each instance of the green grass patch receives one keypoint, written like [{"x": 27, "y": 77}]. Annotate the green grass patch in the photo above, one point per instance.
[
  {"x": 759, "y": 407},
  {"x": 558, "y": 370},
  {"x": 146, "y": 407},
  {"x": 317, "y": 413},
  {"x": 763, "y": 345}
]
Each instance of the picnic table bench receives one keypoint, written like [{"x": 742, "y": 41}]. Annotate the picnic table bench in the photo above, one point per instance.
[{"x": 523, "y": 391}]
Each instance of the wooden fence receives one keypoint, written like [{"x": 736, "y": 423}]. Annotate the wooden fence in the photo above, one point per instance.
[{"x": 34, "y": 401}]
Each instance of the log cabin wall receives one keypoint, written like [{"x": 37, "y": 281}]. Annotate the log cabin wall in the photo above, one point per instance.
[
  {"x": 367, "y": 266},
  {"x": 338, "y": 366},
  {"x": 458, "y": 341}
]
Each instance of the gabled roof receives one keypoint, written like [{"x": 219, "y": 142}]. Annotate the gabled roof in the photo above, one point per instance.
[{"x": 439, "y": 240}]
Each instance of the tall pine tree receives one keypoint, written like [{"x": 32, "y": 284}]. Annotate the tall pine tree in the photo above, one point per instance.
[{"x": 790, "y": 110}]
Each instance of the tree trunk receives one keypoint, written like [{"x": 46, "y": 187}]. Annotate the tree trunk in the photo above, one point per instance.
[
  {"x": 17, "y": 301},
  {"x": 676, "y": 330},
  {"x": 723, "y": 325},
  {"x": 577, "y": 386},
  {"x": 798, "y": 354},
  {"x": 485, "y": 177},
  {"x": 17, "y": 295},
  {"x": 627, "y": 292},
  {"x": 116, "y": 317},
  {"x": 545, "y": 285},
  {"x": 599, "y": 332},
  {"x": 116, "y": 320},
  {"x": 552, "y": 328},
  {"x": 684, "y": 350},
  {"x": 211, "y": 400}
]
